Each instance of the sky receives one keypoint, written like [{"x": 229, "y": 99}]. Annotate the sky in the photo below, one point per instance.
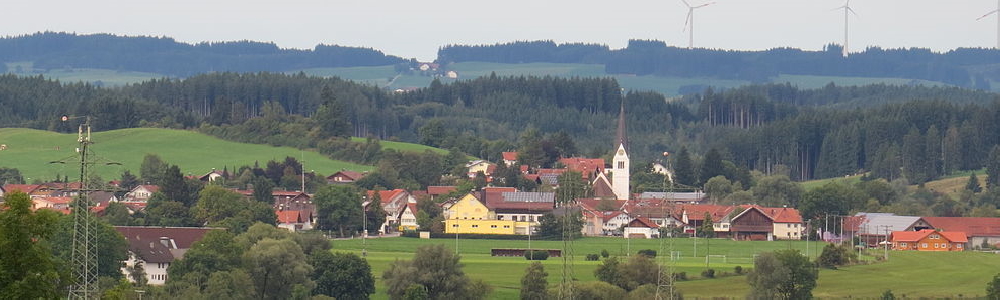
[{"x": 417, "y": 29}]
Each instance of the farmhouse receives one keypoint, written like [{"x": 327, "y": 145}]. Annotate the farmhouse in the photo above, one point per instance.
[
  {"x": 295, "y": 220},
  {"x": 344, "y": 177},
  {"x": 155, "y": 248},
  {"x": 980, "y": 231},
  {"x": 928, "y": 240}
]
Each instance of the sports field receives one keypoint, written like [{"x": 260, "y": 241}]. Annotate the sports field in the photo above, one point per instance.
[{"x": 913, "y": 274}]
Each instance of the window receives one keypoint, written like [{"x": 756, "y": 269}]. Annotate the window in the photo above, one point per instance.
[
  {"x": 493, "y": 226},
  {"x": 621, "y": 165},
  {"x": 934, "y": 236},
  {"x": 924, "y": 245},
  {"x": 506, "y": 226},
  {"x": 788, "y": 225},
  {"x": 958, "y": 246},
  {"x": 454, "y": 225},
  {"x": 500, "y": 217},
  {"x": 475, "y": 226},
  {"x": 902, "y": 244}
]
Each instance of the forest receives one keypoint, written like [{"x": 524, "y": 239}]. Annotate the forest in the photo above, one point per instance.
[
  {"x": 966, "y": 67},
  {"x": 915, "y": 132},
  {"x": 163, "y": 55}
]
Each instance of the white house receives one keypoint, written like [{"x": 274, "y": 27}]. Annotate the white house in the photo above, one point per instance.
[
  {"x": 141, "y": 193},
  {"x": 408, "y": 217},
  {"x": 155, "y": 248},
  {"x": 641, "y": 228}
]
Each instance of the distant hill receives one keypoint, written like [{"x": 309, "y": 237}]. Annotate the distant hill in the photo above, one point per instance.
[
  {"x": 162, "y": 55},
  {"x": 31, "y": 151}
]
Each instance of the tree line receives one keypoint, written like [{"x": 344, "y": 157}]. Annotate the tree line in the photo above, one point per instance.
[
  {"x": 164, "y": 55},
  {"x": 648, "y": 57}
]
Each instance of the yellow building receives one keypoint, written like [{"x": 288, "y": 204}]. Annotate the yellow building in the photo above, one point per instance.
[{"x": 469, "y": 215}]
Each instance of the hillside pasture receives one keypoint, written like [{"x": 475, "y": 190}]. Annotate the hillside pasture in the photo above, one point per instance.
[{"x": 31, "y": 151}]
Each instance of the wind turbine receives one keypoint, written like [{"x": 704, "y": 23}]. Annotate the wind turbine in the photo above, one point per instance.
[
  {"x": 847, "y": 8},
  {"x": 997, "y": 12},
  {"x": 690, "y": 20}
]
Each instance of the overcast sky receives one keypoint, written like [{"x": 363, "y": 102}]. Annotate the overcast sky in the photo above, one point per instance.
[{"x": 411, "y": 28}]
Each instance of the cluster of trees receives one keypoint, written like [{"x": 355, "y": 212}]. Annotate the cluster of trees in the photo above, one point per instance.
[
  {"x": 163, "y": 55},
  {"x": 646, "y": 57},
  {"x": 266, "y": 263},
  {"x": 434, "y": 273},
  {"x": 36, "y": 251}
]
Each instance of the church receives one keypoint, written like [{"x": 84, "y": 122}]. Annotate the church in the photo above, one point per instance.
[{"x": 615, "y": 183}]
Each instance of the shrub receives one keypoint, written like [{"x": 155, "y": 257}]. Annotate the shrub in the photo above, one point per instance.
[
  {"x": 680, "y": 276},
  {"x": 710, "y": 273},
  {"x": 593, "y": 257},
  {"x": 604, "y": 253},
  {"x": 738, "y": 270},
  {"x": 648, "y": 252},
  {"x": 536, "y": 255}
]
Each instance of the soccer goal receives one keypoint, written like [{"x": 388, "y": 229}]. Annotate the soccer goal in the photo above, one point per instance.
[
  {"x": 708, "y": 258},
  {"x": 675, "y": 255}
]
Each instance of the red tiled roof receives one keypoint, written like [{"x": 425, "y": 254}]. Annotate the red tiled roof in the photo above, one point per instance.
[
  {"x": 512, "y": 156},
  {"x": 288, "y": 216},
  {"x": 386, "y": 196},
  {"x": 968, "y": 225},
  {"x": 783, "y": 214},
  {"x": 26, "y": 188},
  {"x": 697, "y": 211},
  {"x": 440, "y": 190},
  {"x": 602, "y": 188},
  {"x": 915, "y": 236},
  {"x": 145, "y": 241},
  {"x": 586, "y": 166},
  {"x": 642, "y": 222}
]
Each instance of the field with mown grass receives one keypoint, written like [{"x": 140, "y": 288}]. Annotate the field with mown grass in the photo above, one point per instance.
[
  {"x": 913, "y": 274},
  {"x": 30, "y": 151},
  {"x": 504, "y": 273}
]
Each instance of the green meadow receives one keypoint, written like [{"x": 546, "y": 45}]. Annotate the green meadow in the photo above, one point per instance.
[
  {"x": 31, "y": 151},
  {"x": 504, "y": 273},
  {"x": 913, "y": 274}
]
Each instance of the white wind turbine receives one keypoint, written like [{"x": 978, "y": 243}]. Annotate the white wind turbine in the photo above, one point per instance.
[
  {"x": 846, "y": 8},
  {"x": 995, "y": 11},
  {"x": 690, "y": 20}
]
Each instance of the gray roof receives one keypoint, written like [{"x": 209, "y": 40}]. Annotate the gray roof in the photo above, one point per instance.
[
  {"x": 548, "y": 197},
  {"x": 676, "y": 196},
  {"x": 875, "y": 223}
]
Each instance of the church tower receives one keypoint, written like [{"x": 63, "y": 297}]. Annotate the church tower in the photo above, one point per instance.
[{"x": 620, "y": 163}]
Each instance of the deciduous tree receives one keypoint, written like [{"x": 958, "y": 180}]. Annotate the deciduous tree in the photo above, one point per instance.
[
  {"x": 342, "y": 275},
  {"x": 534, "y": 283}
]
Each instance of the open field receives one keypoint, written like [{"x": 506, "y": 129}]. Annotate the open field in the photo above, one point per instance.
[
  {"x": 31, "y": 150},
  {"x": 504, "y": 273},
  {"x": 400, "y": 146},
  {"x": 913, "y": 274},
  {"x": 104, "y": 77}
]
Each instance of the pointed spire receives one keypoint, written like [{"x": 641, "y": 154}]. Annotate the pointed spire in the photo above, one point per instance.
[{"x": 622, "y": 138}]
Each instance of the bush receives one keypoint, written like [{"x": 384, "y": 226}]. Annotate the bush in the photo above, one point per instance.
[
  {"x": 604, "y": 253},
  {"x": 536, "y": 255},
  {"x": 681, "y": 276},
  {"x": 648, "y": 252},
  {"x": 738, "y": 270},
  {"x": 593, "y": 257},
  {"x": 710, "y": 273}
]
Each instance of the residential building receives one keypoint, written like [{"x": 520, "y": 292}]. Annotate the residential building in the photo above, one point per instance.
[
  {"x": 471, "y": 215},
  {"x": 641, "y": 228},
  {"x": 509, "y": 158},
  {"x": 980, "y": 231},
  {"x": 344, "y": 177},
  {"x": 408, "y": 217},
  {"x": 157, "y": 247},
  {"x": 141, "y": 193},
  {"x": 928, "y": 240},
  {"x": 213, "y": 176},
  {"x": 295, "y": 220},
  {"x": 872, "y": 228}
]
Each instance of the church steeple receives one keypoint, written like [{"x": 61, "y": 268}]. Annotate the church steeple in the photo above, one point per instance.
[
  {"x": 622, "y": 136},
  {"x": 620, "y": 162}
]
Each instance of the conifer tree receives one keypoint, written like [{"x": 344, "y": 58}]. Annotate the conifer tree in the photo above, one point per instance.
[{"x": 973, "y": 184}]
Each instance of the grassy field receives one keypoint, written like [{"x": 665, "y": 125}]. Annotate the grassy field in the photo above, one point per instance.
[
  {"x": 812, "y": 184},
  {"x": 912, "y": 274},
  {"x": 400, "y": 146},
  {"x": 97, "y": 76},
  {"x": 31, "y": 151},
  {"x": 504, "y": 273}
]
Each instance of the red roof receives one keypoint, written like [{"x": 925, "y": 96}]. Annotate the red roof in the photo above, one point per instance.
[
  {"x": 642, "y": 222},
  {"x": 971, "y": 226},
  {"x": 586, "y": 166},
  {"x": 386, "y": 196},
  {"x": 145, "y": 241},
  {"x": 916, "y": 236},
  {"x": 26, "y": 188},
  {"x": 288, "y": 216},
  {"x": 440, "y": 190},
  {"x": 349, "y": 174},
  {"x": 511, "y": 156}
]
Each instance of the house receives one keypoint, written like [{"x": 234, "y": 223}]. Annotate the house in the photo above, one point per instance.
[
  {"x": 428, "y": 67},
  {"x": 471, "y": 216},
  {"x": 980, "y": 231},
  {"x": 344, "y": 177},
  {"x": 33, "y": 190},
  {"x": 155, "y": 248},
  {"x": 436, "y": 192},
  {"x": 141, "y": 193},
  {"x": 476, "y": 166},
  {"x": 509, "y": 158},
  {"x": 392, "y": 202},
  {"x": 641, "y": 228},
  {"x": 295, "y": 220},
  {"x": 588, "y": 167},
  {"x": 54, "y": 203},
  {"x": 408, "y": 217},
  {"x": 518, "y": 206},
  {"x": 451, "y": 74},
  {"x": 928, "y": 240},
  {"x": 213, "y": 176},
  {"x": 752, "y": 224}
]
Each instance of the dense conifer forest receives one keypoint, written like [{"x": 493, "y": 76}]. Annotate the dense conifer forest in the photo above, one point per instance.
[{"x": 912, "y": 131}]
